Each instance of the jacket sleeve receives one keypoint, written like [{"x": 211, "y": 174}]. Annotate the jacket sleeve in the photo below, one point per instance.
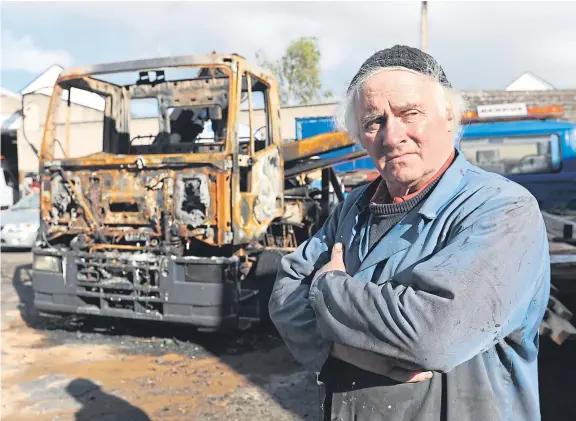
[
  {"x": 289, "y": 306},
  {"x": 461, "y": 301}
]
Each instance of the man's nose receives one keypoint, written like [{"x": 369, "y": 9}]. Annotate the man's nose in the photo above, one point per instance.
[{"x": 394, "y": 133}]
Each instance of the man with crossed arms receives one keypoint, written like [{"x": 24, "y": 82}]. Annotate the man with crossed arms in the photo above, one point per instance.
[{"x": 420, "y": 298}]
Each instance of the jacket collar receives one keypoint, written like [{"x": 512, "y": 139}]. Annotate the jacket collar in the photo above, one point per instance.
[{"x": 445, "y": 189}]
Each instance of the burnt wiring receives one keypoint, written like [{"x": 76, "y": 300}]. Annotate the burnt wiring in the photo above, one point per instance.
[{"x": 71, "y": 190}]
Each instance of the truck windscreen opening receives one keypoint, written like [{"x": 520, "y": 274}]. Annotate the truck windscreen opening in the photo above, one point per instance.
[
  {"x": 140, "y": 113},
  {"x": 514, "y": 154}
]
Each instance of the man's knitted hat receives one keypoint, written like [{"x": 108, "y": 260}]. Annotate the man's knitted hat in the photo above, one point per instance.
[{"x": 403, "y": 56}]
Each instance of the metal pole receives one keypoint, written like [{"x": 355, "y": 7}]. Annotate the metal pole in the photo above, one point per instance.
[{"x": 424, "y": 27}]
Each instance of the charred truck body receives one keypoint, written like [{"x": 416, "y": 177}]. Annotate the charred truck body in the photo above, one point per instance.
[{"x": 185, "y": 224}]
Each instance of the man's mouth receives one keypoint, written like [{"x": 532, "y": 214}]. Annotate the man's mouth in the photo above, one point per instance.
[{"x": 397, "y": 156}]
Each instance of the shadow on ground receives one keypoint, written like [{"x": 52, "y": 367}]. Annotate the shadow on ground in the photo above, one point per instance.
[
  {"x": 99, "y": 405},
  {"x": 258, "y": 354}
]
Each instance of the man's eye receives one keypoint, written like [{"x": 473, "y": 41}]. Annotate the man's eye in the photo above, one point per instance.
[{"x": 371, "y": 127}]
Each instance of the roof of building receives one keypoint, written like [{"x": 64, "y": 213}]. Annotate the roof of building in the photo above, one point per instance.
[
  {"x": 44, "y": 84},
  {"x": 6, "y": 92},
  {"x": 529, "y": 82},
  {"x": 10, "y": 122}
]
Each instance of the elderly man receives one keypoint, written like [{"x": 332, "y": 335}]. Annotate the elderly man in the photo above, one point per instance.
[{"x": 422, "y": 295}]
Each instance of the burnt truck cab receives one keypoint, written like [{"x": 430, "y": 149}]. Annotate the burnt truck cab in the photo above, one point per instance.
[{"x": 159, "y": 217}]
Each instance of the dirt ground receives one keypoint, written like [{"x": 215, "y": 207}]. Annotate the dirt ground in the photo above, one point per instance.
[
  {"x": 84, "y": 370},
  {"x": 74, "y": 369}
]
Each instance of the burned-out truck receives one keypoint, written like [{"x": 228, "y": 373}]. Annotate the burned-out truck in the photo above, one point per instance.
[{"x": 167, "y": 192}]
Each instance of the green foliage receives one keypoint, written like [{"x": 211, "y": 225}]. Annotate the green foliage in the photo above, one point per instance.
[{"x": 298, "y": 72}]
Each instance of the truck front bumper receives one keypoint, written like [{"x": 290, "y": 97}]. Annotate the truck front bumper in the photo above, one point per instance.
[{"x": 203, "y": 292}]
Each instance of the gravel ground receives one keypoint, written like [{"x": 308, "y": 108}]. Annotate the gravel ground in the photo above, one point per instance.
[{"x": 76, "y": 369}]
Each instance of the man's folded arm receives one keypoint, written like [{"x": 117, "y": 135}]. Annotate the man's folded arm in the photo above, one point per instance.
[
  {"x": 461, "y": 301},
  {"x": 289, "y": 306}
]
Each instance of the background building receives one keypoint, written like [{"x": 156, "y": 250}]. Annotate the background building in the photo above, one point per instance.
[{"x": 19, "y": 146}]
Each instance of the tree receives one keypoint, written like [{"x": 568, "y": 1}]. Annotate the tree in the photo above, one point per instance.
[{"x": 298, "y": 72}]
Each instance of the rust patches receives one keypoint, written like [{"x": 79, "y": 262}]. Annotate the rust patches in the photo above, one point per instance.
[
  {"x": 120, "y": 195},
  {"x": 114, "y": 247},
  {"x": 316, "y": 145}
]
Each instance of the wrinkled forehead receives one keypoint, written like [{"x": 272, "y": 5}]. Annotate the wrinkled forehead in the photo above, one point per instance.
[{"x": 390, "y": 88}]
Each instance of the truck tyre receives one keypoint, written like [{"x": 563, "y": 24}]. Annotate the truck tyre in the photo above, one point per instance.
[{"x": 265, "y": 272}]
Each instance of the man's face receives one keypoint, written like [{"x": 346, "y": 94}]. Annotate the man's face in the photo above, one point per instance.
[{"x": 404, "y": 126}]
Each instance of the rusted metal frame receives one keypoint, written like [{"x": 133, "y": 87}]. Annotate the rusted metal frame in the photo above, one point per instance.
[
  {"x": 251, "y": 228},
  {"x": 274, "y": 111},
  {"x": 57, "y": 234},
  {"x": 216, "y": 215},
  {"x": 176, "y": 94},
  {"x": 273, "y": 100},
  {"x": 164, "y": 123},
  {"x": 47, "y": 151},
  {"x": 122, "y": 115},
  {"x": 250, "y": 121},
  {"x": 226, "y": 67},
  {"x": 322, "y": 163},
  {"x": 182, "y": 89},
  {"x": 223, "y": 215},
  {"x": 315, "y": 145},
  {"x": 118, "y": 235},
  {"x": 325, "y": 201},
  {"x": 65, "y": 224},
  {"x": 107, "y": 140},
  {"x": 259, "y": 72},
  {"x": 159, "y": 161},
  {"x": 89, "y": 84},
  {"x": 336, "y": 185},
  {"x": 236, "y": 197},
  {"x": 200, "y": 60},
  {"x": 68, "y": 117},
  {"x": 95, "y": 85},
  {"x": 168, "y": 208},
  {"x": 76, "y": 195},
  {"x": 115, "y": 246}
]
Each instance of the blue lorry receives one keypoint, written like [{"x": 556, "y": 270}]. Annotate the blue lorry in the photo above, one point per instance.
[{"x": 530, "y": 146}]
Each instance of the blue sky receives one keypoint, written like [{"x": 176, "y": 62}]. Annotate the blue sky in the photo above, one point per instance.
[{"x": 482, "y": 45}]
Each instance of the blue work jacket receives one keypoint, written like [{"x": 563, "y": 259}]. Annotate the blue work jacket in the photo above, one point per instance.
[{"x": 458, "y": 287}]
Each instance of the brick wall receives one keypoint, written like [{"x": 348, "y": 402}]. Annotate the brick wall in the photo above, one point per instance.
[{"x": 565, "y": 97}]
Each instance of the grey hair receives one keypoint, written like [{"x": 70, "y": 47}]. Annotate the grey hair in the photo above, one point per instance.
[{"x": 448, "y": 99}]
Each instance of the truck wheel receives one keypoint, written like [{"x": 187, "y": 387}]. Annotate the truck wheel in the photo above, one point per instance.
[
  {"x": 31, "y": 316},
  {"x": 265, "y": 275}
]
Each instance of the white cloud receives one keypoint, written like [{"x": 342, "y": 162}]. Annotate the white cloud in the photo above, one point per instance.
[
  {"x": 23, "y": 54},
  {"x": 481, "y": 45}
]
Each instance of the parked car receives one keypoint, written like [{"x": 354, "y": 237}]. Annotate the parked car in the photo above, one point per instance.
[{"x": 20, "y": 223}]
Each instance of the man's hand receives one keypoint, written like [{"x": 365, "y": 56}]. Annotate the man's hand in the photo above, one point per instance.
[
  {"x": 378, "y": 364},
  {"x": 336, "y": 261},
  {"x": 367, "y": 360}
]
